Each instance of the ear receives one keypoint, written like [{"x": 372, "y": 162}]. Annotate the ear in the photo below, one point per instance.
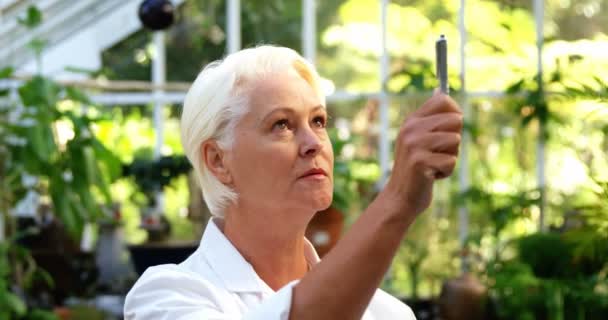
[{"x": 215, "y": 160}]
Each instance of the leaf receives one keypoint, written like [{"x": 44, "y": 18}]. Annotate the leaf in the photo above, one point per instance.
[
  {"x": 39, "y": 314},
  {"x": 37, "y": 45},
  {"x": 62, "y": 206},
  {"x": 89, "y": 164},
  {"x": 33, "y": 17},
  {"x": 108, "y": 159},
  {"x": 77, "y": 164},
  {"x": 6, "y": 72},
  {"x": 77, "y": 95},
  {"x": 41, "y": 93},
  {"x": 516, "y": 87},
  {"x": 12, "y": 302},
  {"x": 45, "y": 276},
  {"x": 472, "y": 128},
  {"x": 340, "y": 202},
  {"x": 41, "y": 142},
  {"x": 80, "y": 214},
  {"x": 90, "y": 209}
]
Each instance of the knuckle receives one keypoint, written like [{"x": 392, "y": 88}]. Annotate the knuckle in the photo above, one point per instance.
[
  {"x": 458, "y": 117},
  {"x": 450, "y": 103},
  {"x": 408, "y": 126},
  {"x": 452, "y": 161},
  {"x": 443, "y": 99},
  {"x": 408, "y": 141},
  {"x": 449, "y": 172},
  {"x": 418, "y": 159}
]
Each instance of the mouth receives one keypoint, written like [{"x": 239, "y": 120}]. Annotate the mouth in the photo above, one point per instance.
[{"x": 314, "y": 173}]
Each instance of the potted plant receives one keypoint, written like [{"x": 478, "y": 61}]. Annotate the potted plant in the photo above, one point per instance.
[{"x": 151, "y": 176}]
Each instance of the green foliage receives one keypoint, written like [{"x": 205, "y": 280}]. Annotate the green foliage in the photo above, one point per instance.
[
  {"x": 353, "y": 178},
  {"x": 415, "y": 75},
  {"x": 497, "y": 210},
  {"x": 75, "y": 172},
  {"x": 589, "y": 254},
  {"x": 32, "y": 19},
  {"x": 547, "y": 254},
  {"x": 46, "y": 140},
  {"x": 6, "y": 72},
  {"x": 517, "y": 292},
  {"x": 153, "y": 175},
  {"x": 200, "y": 31},
  {"x": 596, "y": 90},
  {"x": 548, "y": 280},
  {"x": 39, "y": 314},
  {"x": 527, "y": 99},
  {"x": 18, "y": 268}
]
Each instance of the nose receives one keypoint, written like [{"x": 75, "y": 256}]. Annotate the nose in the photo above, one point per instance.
[{"x": 310, "y": 143}]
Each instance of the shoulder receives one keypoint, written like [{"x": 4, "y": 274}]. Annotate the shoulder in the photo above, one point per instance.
[
  {"x": 167, "y": 290},
  {"x": 385, "y": 306},
  {"x": 169, "y": 277}
]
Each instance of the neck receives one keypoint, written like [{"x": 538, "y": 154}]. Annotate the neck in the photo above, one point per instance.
[{"x": 274, "y": 247}]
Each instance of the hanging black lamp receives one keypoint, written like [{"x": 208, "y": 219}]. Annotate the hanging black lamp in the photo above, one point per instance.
[{"x": 156, "y": 14}]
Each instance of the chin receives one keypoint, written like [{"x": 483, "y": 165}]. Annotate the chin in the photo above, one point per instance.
[
  {"x": 322, "y": 202},
  {"x": 314, "y": 203}
]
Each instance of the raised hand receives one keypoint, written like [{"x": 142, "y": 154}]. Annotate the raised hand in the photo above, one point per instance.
[{"x": 426, "y": 149}]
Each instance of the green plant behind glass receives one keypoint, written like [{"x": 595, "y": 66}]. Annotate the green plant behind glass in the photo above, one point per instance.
[
  {"x": 47, "y": 149},
  {"x": 353, "y": 178},
  {"x": 50, "y": 138}
]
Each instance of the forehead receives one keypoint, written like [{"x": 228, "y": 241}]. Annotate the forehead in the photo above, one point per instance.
[{"x": 280, "y": 90}]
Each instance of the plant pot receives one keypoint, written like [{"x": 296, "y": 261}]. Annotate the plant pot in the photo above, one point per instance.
[
  {"x": 73, "y": 274},
  {"x": 325, "y": 229},
  {"x": 111, "y": 256},
  {"x": 463, "y": 298},
  {"x": 72, "y": 270},
  {"x": 152, "y": 254}
]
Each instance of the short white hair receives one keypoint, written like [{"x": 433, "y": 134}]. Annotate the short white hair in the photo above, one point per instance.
[{"x": 219, "y": 98}]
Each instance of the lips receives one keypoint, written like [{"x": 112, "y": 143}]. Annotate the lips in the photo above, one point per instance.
[{"x": 314, "y": 171}]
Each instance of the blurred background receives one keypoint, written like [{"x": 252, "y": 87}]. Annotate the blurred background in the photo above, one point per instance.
[{"x": 94, "y": 187}]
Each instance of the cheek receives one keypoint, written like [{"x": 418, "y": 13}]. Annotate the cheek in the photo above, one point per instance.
[
  {"x": 263, "y": 165},
  {"x": 329, "y": 155}
]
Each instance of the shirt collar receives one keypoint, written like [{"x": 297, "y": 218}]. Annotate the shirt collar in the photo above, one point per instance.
[{"x": 236, "y": 273}]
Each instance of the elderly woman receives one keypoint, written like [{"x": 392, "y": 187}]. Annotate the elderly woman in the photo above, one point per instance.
[{"x": 254, "y": 128}]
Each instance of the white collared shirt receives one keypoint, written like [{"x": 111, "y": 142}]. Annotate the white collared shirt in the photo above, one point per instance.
[{"x": 217, "y": 283}]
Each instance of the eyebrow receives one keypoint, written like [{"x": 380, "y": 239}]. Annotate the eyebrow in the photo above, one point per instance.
[{"x": 288, "y": 110}]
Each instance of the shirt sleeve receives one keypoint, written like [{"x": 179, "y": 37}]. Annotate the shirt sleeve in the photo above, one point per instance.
[{"x": 166, "y": 293}]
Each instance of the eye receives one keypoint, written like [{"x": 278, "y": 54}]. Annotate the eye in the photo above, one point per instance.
[
  {"x": 282, "y": 124},
  {"x": 319, "y": 121}
]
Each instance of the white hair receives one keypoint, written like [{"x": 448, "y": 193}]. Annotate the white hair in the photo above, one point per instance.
[{"x": 219, "y": 98}]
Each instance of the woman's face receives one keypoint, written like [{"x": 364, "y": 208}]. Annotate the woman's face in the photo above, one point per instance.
[{"x": 277, "y": 144}]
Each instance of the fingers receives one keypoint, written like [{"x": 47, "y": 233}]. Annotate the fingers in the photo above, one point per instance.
[
  {"x": 435, "y": 142},
  {"x": 429, "y": 140},
  {"x": 438, "y": 103},
  {"x": 448, "y": 122},
  {"x": 436, "y": 165}
]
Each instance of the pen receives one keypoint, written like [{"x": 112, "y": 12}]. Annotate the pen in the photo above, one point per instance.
[{"x": 441, "y": 60}]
